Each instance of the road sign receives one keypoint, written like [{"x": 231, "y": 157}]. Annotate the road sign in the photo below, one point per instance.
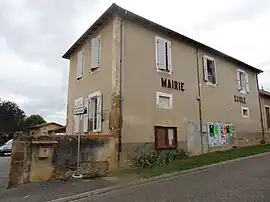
[{"x": 80, "y": 111}]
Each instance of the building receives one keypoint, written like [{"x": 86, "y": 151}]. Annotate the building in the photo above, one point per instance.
[
  {"x": 157, "y": 89},
  {"x": 45, "y": 128},
  {"x": 265, "y": 107}
]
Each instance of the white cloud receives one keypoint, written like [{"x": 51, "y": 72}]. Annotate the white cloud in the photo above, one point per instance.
[{"x": 35, "y": 34}]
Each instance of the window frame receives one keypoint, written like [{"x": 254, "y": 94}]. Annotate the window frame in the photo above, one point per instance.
[
  {"x": 205, "y": 58},
  {"x": 97, "y": 94},
  {"x": 158, "y": 94},
  {"x": 166, "y": 146},
  {"x": 94, "y": 69},
  {"x": 246, "y": 90},
  {"x": 267, "y": 125},
  {"x": 242, "y": 110},
  {"x": 82, "y": 63},
  {"x": 169, "y": 57}
]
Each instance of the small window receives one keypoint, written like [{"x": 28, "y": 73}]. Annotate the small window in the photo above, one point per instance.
[
  {"x": 267, "y": 114},
  {"x": 242, "y": 81},
  {"x": 163, "y": 55},
  {"x": 210, "y": 74},
  {"x": 245, "y": 112},
  {"x": 80, "y": 59},
  {"x": 164, "y": 100},
  {"x": 95, "y": 53},
  {"x": 165, "y": 137}
]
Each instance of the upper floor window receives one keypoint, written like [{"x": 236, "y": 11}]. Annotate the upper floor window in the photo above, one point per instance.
[
  {"x": 242, "y": 81},
  {"x": 210, "y": 74},
  {"x": 163, "y": 55},
  {"x": 95, "y": 53},
  {"x": 80, "y": 59}
]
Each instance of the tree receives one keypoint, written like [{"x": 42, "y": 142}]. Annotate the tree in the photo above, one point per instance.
[
  {"x": 11, "y": 117},
  {"x": 33, "y": 120}
]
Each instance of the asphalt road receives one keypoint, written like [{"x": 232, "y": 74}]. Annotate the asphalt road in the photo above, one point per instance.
[
  {"x": 245, "y": 180},
  {"x": 4, "y": 166}
]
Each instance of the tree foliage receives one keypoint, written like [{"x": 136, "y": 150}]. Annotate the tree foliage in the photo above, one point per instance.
[
  {"x": 32, "y": 120},
  {"x": 11, "y": 117}
]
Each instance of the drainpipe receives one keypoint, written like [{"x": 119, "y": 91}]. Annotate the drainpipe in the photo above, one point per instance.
[
  {"x": 199, "y": 97},
  {"x": 121, "y": 91},
  {"x": 260, "y": 105}
]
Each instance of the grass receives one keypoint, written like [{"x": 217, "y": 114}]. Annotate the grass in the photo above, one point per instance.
[{"x": 197, "y": 161}]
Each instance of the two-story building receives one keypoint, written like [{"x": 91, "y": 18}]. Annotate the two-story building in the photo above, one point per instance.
[{"x": 157, "y": 89}]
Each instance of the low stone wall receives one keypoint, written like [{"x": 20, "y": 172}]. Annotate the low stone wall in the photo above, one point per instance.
[{"x": 49, "y": 157}]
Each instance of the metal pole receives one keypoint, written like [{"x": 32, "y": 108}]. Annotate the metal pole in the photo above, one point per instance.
[{"x": 78, "y": 147}]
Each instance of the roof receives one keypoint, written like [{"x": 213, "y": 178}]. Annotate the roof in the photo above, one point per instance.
[
  {"x": 115, "y": 9},
  {"x": 264, "y": 93},
  {"x": 46, "y": 124}
]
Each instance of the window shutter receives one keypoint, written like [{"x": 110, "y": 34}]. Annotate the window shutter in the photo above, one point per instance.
[
  {"x": 247, "y": 84},
  {"x": 80, "y": 56},
  {"x": 205, "y": 69},
  {"x": 238, "y": 80},
  {"x": 169, "y": 48},
  {"x": 99, "y": 113},
  {"x": 95, "y": 53},
  {"x": 90, "y": 114},
  {"x": 85, "y": 116},
  {"x": 160, "y": 54}
]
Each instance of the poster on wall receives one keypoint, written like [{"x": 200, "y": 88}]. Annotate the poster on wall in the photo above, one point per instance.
[{"x": 218, "y": 134}]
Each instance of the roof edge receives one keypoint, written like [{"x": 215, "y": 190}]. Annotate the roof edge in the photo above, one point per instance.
[{"x": 114, "y": 8}]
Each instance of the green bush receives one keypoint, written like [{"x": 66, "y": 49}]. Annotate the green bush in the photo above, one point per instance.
[{"x": 158, "y": 158}]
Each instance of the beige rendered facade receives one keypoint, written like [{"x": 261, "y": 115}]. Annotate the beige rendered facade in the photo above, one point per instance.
[{"x": 164, "y": 79}]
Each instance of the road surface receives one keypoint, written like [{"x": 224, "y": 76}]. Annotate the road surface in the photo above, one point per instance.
[
  {"x": 4, "y": 165},
  {"x": 245, "y": 180}
]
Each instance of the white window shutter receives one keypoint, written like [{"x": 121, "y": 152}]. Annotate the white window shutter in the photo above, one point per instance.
[
  {"x": 205, "y": 71},
  {"x": 99, "y": 113},
  {"x": 247, "y": 84},
  {"x": 85, "y": 116},
  {"x": 160, "y": 54},
  {"x": 238, "y": 80},
  {"x": 95, "y": 52},
  {"x": 80, "y": 56},
  {"x": 169, "y": 55}
]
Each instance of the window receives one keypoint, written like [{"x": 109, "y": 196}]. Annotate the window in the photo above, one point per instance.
[
  {"x": 95, "y": 109},
  {"x": 165, "y": 137},
  {"x": 245, "y": 112},
  {"x": 164, "y": 100},
  {"x": 210, "y": 74},
  {"x": 267, "y": 113},
  {"x": 242, "y": 81},
  {"x": 80, "y": 56},
  {"x": 95, "y": 53},
  {"x": 163, "y": 55}
]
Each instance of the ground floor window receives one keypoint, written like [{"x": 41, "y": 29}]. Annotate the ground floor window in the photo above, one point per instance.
[
  {"x": 94, "y": 111},
  {"x": 165, "y": 137}
]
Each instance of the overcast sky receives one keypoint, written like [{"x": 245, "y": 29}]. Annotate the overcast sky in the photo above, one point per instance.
[{"x": 34, "y": 34}]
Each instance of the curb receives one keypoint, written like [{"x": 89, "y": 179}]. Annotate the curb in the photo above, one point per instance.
[{"x": 160, "y": 178}]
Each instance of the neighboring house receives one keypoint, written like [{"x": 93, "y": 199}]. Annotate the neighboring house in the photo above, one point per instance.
[
  {"x": 265, "y": 107},
  {"x": 162, "y": 86},
  {"x": 44, "y": 128}
]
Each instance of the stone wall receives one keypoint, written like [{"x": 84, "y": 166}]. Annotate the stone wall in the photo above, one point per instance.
[{"x": 48, "y": 157}]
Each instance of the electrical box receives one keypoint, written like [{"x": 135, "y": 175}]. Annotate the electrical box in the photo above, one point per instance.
[{"x": 44, "y": 152}]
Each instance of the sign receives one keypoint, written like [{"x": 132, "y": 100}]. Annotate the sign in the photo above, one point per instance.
[
  {"x": 240, "y": 99},
  {"x": 171, "y": 84},
  {"x": 79, "y": 111}
]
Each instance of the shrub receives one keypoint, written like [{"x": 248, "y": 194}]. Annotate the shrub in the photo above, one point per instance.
[{"x": 158, "y": 158}]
